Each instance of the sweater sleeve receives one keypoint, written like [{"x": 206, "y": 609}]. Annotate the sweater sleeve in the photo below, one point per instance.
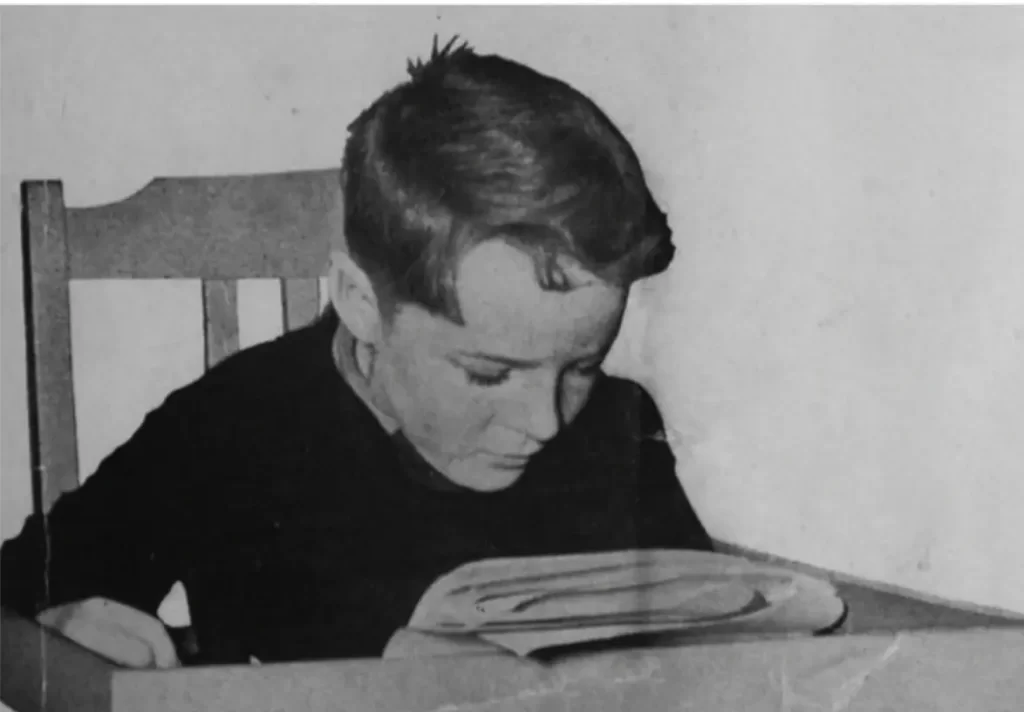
[{"x": 117, "y": 536}]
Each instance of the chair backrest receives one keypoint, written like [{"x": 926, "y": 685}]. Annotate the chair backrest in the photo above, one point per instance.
[{"x": 217, "y": 230}]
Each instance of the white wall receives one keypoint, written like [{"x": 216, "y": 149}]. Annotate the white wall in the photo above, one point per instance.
[{"x": 840, "y": 345}]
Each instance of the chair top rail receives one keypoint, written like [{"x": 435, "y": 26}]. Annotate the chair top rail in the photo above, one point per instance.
[{"x": 277, "y": 225}]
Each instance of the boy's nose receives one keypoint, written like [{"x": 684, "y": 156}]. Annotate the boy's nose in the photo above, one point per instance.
[{"x": 542, "y": 416}]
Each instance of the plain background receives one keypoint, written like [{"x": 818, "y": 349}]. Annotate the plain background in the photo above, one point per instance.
[{"x": 839, "y": 346}]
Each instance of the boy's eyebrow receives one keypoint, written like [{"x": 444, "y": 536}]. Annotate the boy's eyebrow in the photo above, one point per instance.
[
  {"x": 497, "y": 358},
  {"x": 521, "y": 363}
]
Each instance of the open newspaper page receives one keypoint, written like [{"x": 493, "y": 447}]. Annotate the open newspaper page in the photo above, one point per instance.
[{"x": 529, "y": 604}]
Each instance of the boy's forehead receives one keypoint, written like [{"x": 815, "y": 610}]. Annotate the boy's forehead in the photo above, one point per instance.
[
  {"x": 495, "y": 277},
  {"x": 504, "y": 307}
]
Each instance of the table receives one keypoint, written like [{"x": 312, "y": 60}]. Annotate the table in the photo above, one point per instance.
[{"x": 894, "y": 652}]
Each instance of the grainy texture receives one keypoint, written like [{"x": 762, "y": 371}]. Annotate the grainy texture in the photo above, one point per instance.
[
  {"x": 301, "y": 302},
  {"x": 220, "y": 319},
  {"x": 273, "y": 226},
  {"x": 47, "y": 318}
]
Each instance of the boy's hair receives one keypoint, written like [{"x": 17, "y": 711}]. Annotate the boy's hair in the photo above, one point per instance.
[{"x": 475, "y": 147}]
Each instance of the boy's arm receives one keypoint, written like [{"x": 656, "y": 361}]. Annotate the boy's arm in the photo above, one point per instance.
[{"x": 117, "y": 536}]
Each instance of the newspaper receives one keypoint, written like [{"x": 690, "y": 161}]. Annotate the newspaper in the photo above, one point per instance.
[{"x": 526, "y": 605}]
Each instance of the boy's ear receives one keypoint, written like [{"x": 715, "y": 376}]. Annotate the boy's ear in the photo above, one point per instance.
[{"x": 353, "y": 298}]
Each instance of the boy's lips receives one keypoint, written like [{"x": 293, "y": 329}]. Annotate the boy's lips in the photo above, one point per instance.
[{"x": 516, "y": 458}]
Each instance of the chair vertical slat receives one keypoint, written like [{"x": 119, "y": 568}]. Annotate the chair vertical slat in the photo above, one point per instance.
[
  {"x": 220, "y": 318},
  {"x": 301, "y": 299},
  {"x": 48, "y": 340}
]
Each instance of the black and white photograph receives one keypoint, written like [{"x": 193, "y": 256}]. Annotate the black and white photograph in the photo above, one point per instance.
[{"x": 531, "y": 357}]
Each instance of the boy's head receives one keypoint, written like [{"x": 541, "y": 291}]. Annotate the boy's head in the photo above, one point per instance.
[{"x": 494, "y": 220}]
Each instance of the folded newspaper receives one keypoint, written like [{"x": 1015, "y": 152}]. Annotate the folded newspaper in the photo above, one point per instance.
[{"x": 530, "y": 604}]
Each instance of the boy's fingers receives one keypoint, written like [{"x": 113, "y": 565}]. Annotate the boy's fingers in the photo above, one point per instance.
[
  {"x": 116, "y": 631},
  {"x": 148, "y": 629},
  {"x": 112, "y": 642}
]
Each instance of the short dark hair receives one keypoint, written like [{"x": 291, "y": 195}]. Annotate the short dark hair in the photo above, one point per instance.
[{"x": 474, "y": 147}]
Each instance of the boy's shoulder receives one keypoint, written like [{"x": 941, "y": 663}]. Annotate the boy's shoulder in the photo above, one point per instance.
[{"x": 284, "y": 369}]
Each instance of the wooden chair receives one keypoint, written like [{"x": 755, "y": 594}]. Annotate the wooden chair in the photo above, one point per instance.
[{"x": 217, "y": 230}]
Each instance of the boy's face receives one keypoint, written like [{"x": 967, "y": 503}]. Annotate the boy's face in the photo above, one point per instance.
[{"x": 478, "y": 400}]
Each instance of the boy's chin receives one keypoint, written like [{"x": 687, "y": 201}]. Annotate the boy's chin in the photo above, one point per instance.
[{"x": 484, "y": 477}]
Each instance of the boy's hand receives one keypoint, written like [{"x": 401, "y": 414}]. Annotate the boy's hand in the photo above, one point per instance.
[{"x": 117, "y": 632}]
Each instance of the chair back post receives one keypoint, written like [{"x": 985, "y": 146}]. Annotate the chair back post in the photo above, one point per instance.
[{"x": 51, "y": 406}]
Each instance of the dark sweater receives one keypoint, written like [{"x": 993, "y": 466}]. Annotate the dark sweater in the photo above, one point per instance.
[{"x": 301, "y": 529}]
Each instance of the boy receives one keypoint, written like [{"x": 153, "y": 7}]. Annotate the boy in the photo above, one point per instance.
[{"x": 448, "y": 407}]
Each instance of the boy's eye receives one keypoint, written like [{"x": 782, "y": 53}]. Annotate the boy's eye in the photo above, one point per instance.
[{"x": 487, "y": 379}]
